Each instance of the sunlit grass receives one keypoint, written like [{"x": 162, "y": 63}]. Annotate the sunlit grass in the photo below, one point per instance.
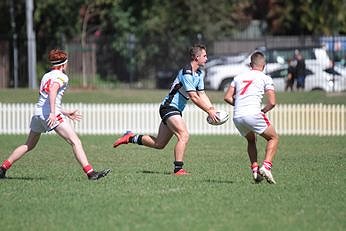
[{"x": 47, "y": 189}]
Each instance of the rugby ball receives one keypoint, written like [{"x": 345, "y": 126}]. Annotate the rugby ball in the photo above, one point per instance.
[{"x": 223, "y": 116}]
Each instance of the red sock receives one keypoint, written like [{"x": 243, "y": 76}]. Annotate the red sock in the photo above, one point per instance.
[
  {"x": 88, "y": 169},
  {"x": 6, "y": 164},
  {"x": 254, "y": 165},
  {"x": 267, "y": 164}
]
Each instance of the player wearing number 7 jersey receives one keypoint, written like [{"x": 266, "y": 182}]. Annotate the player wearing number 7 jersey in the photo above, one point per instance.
[
  {"x": 245, "y": 94},
  {"x": 50, "y": 116}
]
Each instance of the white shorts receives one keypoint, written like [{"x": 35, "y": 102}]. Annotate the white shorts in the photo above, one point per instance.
[
  {"x": 252, "y": 123},
  {"x": 39, "y": 123}
]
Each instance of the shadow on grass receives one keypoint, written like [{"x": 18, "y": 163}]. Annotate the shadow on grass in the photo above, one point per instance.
[
  {"x": 170, "y": 173},
  {"x": 24, "y": 178},
  {"x": 154, "y": 172},
  {"x": 219, "y": 181}
]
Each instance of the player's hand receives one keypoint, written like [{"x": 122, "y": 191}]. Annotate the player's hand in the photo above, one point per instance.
[
  {"x": 212, "y": 114},
  {"x": 74, "y": 115},
  {"x": 51, "y": 120}
]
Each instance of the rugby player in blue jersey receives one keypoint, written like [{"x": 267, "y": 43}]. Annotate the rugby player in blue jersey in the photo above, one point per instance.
[{"x": 189, "y": 84}]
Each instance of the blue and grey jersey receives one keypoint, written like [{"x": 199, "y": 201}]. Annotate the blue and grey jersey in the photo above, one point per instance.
[{"x": 186, "y": 81}]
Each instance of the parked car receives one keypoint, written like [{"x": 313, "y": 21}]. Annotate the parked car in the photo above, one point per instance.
[
  {"x": 317, "y": 78},
  {"x": 226, "y": 59},
  {"x": 220, "y": 76}
]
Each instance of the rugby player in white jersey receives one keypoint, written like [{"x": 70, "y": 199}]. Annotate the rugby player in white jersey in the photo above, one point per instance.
[
  {"x": 49, "y": 116},
  {"x": 245, "y": 94}
]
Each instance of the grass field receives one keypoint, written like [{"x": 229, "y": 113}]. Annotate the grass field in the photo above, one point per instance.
[{"x": 47, "y": 190}]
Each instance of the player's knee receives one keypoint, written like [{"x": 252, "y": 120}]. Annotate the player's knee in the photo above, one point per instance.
[
  {"x": 30, "y": 147},
  {"x": 160, "y": 146},
  {"x": 184, "y": 137},
  {"x": 75, "y": 142},
  {"x": 276, "y": 138}
]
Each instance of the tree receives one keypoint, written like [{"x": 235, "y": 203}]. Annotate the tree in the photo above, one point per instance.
[
  {"x": 55, "y": 23},
  {"x": 163, "y": 30},
  {"x": 90, "y": 15},
  {"x": 303, "y": 17},
  {"x": 150, "y": 34}
]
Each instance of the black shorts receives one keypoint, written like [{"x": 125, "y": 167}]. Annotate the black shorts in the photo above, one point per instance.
[{"x": 168, "y": 111}]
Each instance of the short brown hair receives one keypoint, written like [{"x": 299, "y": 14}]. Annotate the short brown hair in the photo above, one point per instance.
[
  {"x": 195, "y": 50},
  {"x": 57, "y": 57},
  {"x": 258, "y": 58}
]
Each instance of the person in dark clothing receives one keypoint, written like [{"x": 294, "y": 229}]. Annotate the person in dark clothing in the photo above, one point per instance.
[
  {"x": 300, "y": 71},
  {"x": 291, "y": 75}
]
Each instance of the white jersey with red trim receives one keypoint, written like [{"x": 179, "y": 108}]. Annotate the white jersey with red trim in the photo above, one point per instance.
[
  {"x": 249, "y": 90},
  {"x": 42, "y": 107}
]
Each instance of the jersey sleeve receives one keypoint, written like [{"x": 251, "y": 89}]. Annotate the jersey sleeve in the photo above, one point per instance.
[
  {"x": 233, "y": 83},
  {"x": 187, "y": 81},
  {"x": 268, "y": 83},
  {"x": 60, "y": 79}
]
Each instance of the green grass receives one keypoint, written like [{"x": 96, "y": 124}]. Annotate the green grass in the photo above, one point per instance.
[
  {"x": 47, "y": 190},
  {"x": 156, "y": 96}
]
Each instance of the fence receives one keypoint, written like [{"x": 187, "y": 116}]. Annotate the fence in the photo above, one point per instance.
[{"x": 314, "y": 119}]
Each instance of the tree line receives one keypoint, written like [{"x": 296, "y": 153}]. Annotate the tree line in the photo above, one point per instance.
[{"x": 170, "y": 26}]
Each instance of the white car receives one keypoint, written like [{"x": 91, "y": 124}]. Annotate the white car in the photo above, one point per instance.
[
  {"x": 219, "y": 77},
  {"x": 317, "y": 78},
  {"x": 224, "y": 60}
]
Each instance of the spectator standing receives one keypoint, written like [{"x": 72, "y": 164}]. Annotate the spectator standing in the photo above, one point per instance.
[
  {"x": 291, "y": 75},
  {"x": 300, "y": 70}
]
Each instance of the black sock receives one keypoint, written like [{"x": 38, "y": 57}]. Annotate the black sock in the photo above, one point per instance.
[
  {"x": 137, "y": 139},
  {"x": 178, "y": 165}
]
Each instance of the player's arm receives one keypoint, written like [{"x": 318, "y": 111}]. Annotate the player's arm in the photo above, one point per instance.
[
  {"x": 198, "y": 98},
  {"x": 229, "y": 95},
  {"x": 53, "y": 91},
  {"x": 205, "y": 98},
  {"x": 271, "y": 101},
  {"x": 202, "y": 101}
]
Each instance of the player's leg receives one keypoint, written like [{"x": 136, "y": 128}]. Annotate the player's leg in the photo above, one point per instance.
[
  {"x": 19, "y": 152},
  {"x": 158, "y": 142},
  {"x": 161, "y": 140},
  {"x": 260, "y": 124},
  {"x": 252, "y": 152},
  {"x": 272, "y": 144},
  {"x": 251, "y": 147},
  {"x": 177, "y": 125},
  {"x": 67, "y": 132},
  {"x": 242, "y": 125}
]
